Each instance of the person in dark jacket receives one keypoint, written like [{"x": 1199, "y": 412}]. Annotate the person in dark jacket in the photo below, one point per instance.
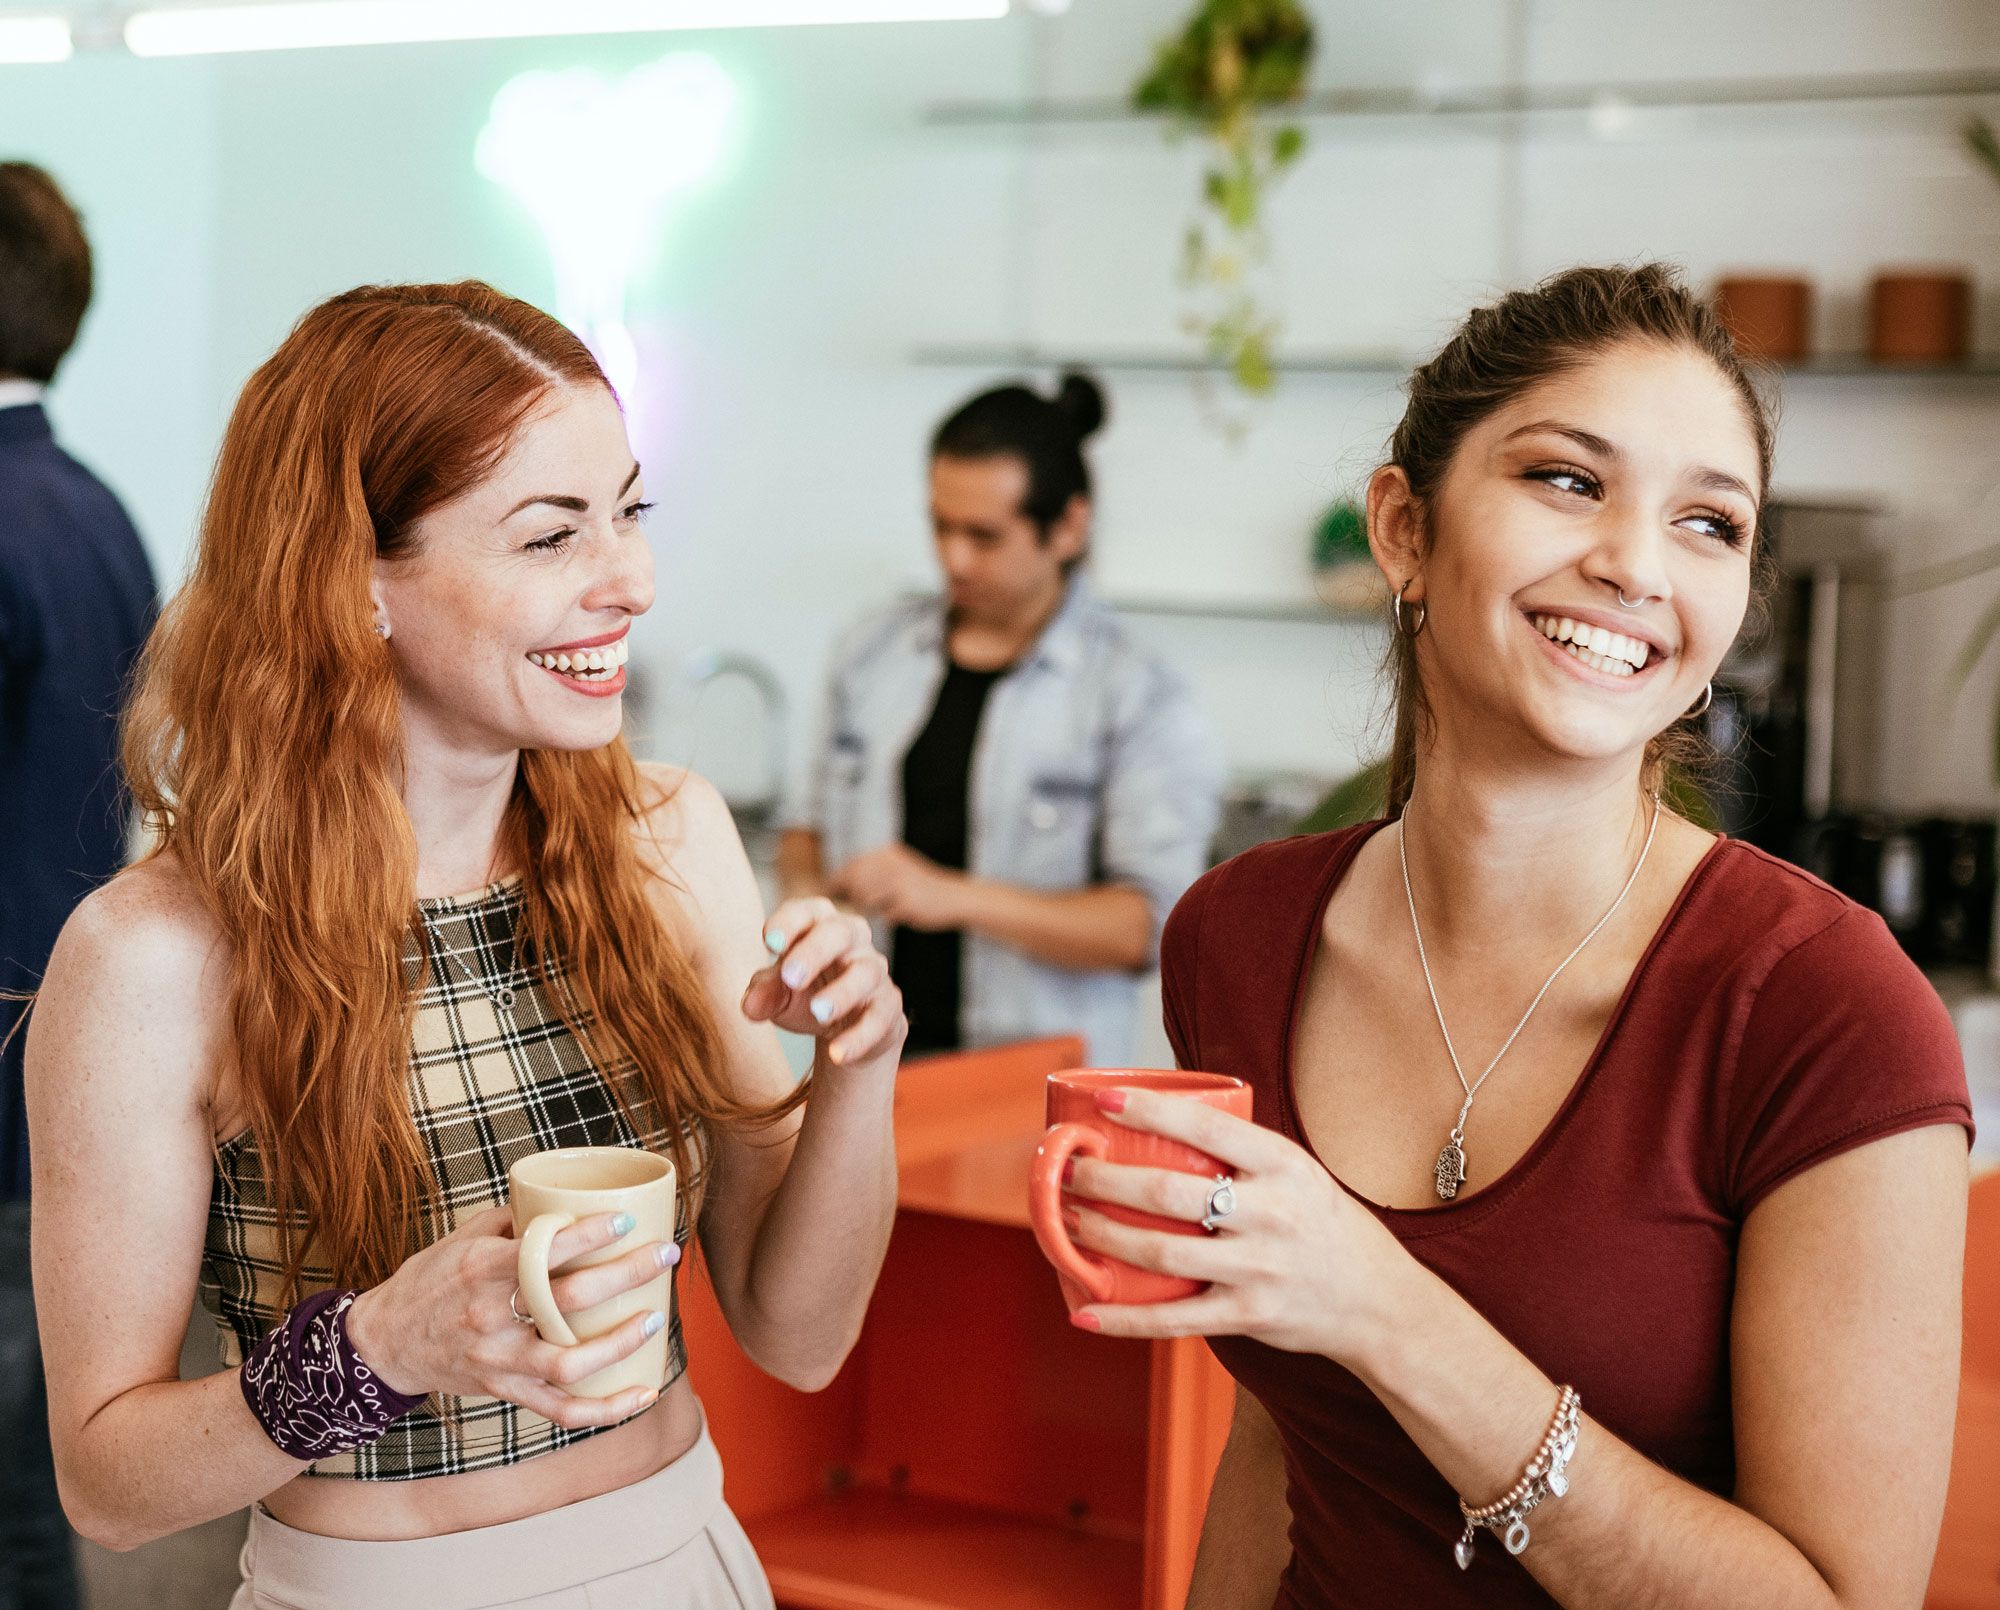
[{"x": 76, "y": 602}]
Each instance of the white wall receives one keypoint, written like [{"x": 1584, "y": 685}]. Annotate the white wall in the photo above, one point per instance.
[
  {"x": 140, "y": 397},
  {"x": 784, "y": 425}
]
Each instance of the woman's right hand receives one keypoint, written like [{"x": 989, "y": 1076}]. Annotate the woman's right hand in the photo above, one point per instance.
[{"x": 444, "y": 1321}]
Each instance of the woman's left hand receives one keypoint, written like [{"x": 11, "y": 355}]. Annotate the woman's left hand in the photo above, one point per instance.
[
  {"x": 828, "y": 980},
  {"x": 1299, "y": 1264}
]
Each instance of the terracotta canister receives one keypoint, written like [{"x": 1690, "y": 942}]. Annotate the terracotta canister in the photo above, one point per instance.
[
  {"x": 1920, "y": 316},
  {"x": 1770, "y": 315}
]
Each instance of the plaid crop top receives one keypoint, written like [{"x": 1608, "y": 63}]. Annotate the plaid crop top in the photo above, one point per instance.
[{"x": 486, "y": 1087}]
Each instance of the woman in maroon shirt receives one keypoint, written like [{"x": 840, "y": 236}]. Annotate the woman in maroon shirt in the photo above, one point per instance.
[{"x": 1716, "y": 1182}]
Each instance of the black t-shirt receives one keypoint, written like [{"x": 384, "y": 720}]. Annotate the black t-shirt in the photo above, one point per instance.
[{"x": 937, "y": 774}]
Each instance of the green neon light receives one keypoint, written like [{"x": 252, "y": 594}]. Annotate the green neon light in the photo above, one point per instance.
[{"x": 595, "y": 163}]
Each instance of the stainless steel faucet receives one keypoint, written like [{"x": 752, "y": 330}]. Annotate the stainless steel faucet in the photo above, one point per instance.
[{"x": 760, "y": 811}]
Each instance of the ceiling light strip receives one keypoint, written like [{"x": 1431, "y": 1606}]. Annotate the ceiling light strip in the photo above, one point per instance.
[
  {"x": 34, "y": 39},
  {"x": 301, "y": 24}
]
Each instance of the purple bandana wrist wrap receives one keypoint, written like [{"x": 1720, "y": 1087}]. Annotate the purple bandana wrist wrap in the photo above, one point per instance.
[{"x": 311, "y": 1392}]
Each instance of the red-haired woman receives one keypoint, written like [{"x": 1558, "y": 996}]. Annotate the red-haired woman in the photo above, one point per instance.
[{"x": 415, "y": 913}]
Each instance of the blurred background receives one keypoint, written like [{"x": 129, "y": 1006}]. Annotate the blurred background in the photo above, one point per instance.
[{"x": 800, "y": 246}]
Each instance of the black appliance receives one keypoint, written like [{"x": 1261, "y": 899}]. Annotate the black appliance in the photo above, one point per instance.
[{"x": 1797, "y": 708}]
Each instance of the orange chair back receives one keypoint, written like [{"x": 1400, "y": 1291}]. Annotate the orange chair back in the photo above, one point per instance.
[
  {"x": 1967, "y": 1573},
  {"x": 1982, "y": 1280}
]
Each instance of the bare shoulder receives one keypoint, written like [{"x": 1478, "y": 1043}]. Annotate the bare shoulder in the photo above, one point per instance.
[
  {"x": 146, "y": 929},
  {"x": 135, "y": 1000},
  {"x": 684, "y": 817},
  {"x": 704, "y": 885}
]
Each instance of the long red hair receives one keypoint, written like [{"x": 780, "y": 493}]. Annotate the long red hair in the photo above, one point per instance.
[{"x": 263, "y": 742}]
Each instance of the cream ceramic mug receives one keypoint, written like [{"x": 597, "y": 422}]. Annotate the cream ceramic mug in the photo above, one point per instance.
[{"x": 550, "y": 1191}]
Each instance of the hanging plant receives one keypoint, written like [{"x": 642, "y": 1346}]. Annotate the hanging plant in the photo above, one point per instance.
[{"x": 1231, "y": 62}]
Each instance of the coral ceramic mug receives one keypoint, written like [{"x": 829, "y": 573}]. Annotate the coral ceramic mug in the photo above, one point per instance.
[
  {"x": 550, "y": 1191},
  {"x": 1076, "y": 1125}
]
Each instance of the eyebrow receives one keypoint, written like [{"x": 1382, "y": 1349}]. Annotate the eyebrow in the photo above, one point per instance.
[
  {"x": 1714, "y": 480},
  {"x": 978, "y": 528},
  {"x": 561, "y": 500}
]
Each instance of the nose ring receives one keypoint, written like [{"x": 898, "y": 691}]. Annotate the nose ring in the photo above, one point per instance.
[{"x": 1630, "y": 603}]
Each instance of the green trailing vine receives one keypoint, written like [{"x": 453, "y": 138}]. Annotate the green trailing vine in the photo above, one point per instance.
[{"x": 1230, "y": 63}]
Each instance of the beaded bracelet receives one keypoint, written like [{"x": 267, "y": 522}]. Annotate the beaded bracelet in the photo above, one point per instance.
[
  {"x": 309, "y": 1389},
  {"x": 1545, "y": 1477}
]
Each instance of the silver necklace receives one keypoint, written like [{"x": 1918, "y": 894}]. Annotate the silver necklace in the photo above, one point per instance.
[
  {"x": 1451, "y": 1160},
  {"x": 501, "y": 995}
]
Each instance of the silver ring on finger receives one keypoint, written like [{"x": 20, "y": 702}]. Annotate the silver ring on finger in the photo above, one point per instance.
[
  {"x": 514, "y": 1308},
  {"x": 1221, "y": 1203}
]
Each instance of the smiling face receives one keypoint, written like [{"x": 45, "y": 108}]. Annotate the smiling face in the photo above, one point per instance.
[
  {"x": 1637, "y": 472},
  {"x": 508, "y": 616}
]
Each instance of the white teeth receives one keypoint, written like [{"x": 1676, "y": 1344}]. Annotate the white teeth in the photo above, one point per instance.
[
  {"x": 1595, "y": 646},
  {"x": 589, "y": 665},
  {"x": 594, "y": 665}
]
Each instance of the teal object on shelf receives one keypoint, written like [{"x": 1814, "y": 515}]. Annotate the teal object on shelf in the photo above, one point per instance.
[{"x": 1340, "y": 536}]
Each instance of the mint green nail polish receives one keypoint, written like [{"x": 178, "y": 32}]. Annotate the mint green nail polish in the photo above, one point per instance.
[
  {"x": 774, "y": 941},
  {"x": 622, "y": 1223}
]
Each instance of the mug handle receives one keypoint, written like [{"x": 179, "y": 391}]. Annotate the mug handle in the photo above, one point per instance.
[
  {"x": 531, "y": 1269},
  {"x": 1045, "y": 1206}
]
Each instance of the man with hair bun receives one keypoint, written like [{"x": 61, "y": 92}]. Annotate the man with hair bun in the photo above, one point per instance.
[
  {"x": 1010, "y": 786},
  {"x": 76, "y": 600}
]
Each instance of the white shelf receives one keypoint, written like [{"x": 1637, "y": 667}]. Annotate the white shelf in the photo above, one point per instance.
[
  {"x": 1368, "y": 364},
  {"x": 1510, "y": 101},
  {"x": 1244, "y": 609}
]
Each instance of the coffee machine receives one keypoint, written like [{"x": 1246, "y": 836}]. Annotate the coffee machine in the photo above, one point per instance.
[
  {"x": 1797, "y": 719},
  {"x": 1797, "y": 710}
]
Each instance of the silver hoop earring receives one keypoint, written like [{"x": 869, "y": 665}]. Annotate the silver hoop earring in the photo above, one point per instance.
[
  {"x": 1422, "y": 610},
  {"x": 1629, "y": 603},
  {"x": 1707, "y": 699}
]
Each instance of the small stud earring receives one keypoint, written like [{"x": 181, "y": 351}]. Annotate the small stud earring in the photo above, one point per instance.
[{"x": 381, "y": 628}]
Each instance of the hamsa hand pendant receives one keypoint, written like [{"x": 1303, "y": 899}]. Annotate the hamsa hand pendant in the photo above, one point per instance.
[{"x": 1450, "y": 1170}]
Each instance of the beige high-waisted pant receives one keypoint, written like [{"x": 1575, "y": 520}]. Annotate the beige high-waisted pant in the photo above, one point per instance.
[{"x": 666, "y": 1543}]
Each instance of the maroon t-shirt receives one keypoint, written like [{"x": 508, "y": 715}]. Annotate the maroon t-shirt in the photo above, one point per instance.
[{"x": 1771, "y": 1024}]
